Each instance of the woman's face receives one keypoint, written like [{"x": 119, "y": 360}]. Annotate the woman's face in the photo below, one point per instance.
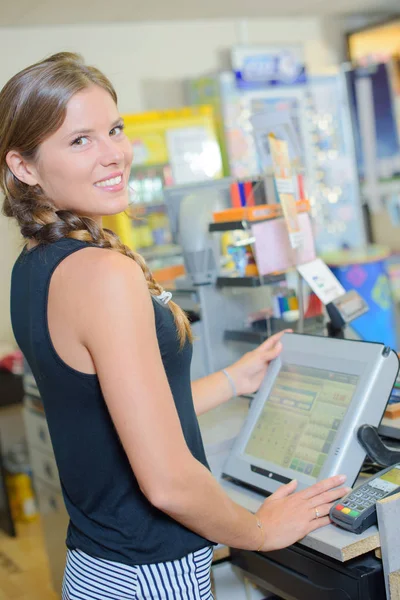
[{"x": 84, "y": 166}]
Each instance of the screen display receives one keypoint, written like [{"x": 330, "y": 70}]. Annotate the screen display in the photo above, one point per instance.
[
  {"x": 300, "y": 418},
  {"x": 392, "y": 476},
  {"x": 389, "y": 482}
]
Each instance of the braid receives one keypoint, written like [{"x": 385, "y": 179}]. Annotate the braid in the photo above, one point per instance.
[{"x": 39, "y": 220}]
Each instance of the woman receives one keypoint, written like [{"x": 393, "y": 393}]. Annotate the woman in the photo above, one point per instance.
[{"x": 112, "y": 360}]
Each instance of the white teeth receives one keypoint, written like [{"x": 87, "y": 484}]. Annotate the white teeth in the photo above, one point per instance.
[{"x": 109, "y": 182}]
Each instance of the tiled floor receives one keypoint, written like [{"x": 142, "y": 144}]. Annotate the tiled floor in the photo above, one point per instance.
[{"x": 24, "y": 571}]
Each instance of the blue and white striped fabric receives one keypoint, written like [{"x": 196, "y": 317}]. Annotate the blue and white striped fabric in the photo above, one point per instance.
[{"x": 89, "y": 578}]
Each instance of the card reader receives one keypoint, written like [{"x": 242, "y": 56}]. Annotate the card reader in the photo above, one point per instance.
[{"x": 357, "y": 510}]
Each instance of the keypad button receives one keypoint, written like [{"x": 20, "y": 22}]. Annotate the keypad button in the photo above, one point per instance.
[
  {"x": 346, "y": 511},
  {"x": 339, "y": 507},
  {"x": 354, "y": 513}
]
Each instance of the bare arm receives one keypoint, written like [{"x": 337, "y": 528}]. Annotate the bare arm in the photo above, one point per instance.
[
  {"x": 211, "y": 391},
  {"x": 246, "y": 374},
  {"x": 117, "y": 326},
  {"x": 119, "y": 332}
]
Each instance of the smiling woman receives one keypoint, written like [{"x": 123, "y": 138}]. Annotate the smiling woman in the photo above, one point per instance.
[
  {"x": 82, "y": 170},
  {"x": 64, "y": 169},
  {"x": 112, "y": 362}
]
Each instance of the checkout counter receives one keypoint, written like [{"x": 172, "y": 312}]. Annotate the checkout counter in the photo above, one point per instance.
[{"x": 329, "y": 563}]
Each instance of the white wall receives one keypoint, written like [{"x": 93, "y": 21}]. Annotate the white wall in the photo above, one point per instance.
[
  {"x": 145, "y": 61},
  {"x": 135, "y": 52}
]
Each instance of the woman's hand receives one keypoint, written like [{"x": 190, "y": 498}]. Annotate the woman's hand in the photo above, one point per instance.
[
  {"x": 249, "y": 371},
  {"x": 287, "y": 517}
]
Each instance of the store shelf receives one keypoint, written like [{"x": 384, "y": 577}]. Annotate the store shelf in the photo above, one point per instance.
[
  {"x": 253, "y": 215},
  {"x": 153, "y": 204},
  {"x": 259, "y": 335},
  {"x": 250, "y": 282},
  {"x": 160, "y": 251},
  {"x": 234, "y": 225}
]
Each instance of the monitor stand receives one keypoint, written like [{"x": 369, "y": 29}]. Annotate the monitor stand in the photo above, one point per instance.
[{"x": 371, "y": 442}]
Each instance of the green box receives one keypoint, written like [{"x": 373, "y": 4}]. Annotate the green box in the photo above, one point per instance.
[{"x": 316, "y": 471}]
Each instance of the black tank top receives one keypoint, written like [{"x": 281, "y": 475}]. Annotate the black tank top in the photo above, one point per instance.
[{"x": 109, "y": 516}]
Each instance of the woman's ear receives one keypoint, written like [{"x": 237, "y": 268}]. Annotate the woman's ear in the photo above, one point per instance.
[{"x": 21, "y": 169}]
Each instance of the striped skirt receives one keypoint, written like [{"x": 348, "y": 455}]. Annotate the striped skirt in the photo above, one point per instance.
[{"x": 89, "y": 578}]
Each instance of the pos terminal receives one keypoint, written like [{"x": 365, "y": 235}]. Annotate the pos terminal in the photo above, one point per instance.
[
  {"x": 321, "y": 399},
  {"x": 303, "y": 421}
]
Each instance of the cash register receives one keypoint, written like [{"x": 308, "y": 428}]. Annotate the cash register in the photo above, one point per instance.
[{"x": 303, "y": 423}]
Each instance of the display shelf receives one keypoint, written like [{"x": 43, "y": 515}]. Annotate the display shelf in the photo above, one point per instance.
[
  {"x": 234, "y": 225},
  {"x": 250, "y": 282},
  {"x": 259, "y": 335},
  {"x": 153, "y": 204},
  {"x": 160, "y": 251},
  {"x": 245, "y": 217}
]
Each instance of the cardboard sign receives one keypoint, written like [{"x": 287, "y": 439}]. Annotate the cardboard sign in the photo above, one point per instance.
[
  {"x": 321, "y": 280},
  {"x": 285, "y": 185}
]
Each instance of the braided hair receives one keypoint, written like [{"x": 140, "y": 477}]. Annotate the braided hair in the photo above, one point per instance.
[{"x": 32, "y": 107}]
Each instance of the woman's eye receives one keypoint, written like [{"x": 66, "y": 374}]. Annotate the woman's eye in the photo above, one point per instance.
[
  {"x": 80, "y": 141},
  {"x": 117, "y": 130}
]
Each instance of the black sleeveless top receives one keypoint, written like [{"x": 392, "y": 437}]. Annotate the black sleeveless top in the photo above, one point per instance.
[{"x": 109, "y": 515}]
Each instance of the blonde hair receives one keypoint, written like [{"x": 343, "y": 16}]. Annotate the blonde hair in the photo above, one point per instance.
[{"x": 32, "y": 107}]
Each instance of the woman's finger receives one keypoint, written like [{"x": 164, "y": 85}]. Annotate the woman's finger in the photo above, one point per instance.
[
  {"x": 318, "y": 523},
  {"x": 274, "y": 339},
  {"x": 331, "y": 496},
  {"x": 322, "y": 510},
  {"x": 285, "y": 490},
  {"x": 272, "y": 353},
  {"x": 323, "y": 486}
]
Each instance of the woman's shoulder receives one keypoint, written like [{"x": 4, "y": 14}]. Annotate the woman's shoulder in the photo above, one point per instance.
[{"x": 102, "y": 267}]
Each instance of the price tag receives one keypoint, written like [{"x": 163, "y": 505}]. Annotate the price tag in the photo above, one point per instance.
[{"x": 321, "y": 280}]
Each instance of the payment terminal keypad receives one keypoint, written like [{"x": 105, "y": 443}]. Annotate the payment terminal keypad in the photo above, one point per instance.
[{"x": 357, "y": 511}]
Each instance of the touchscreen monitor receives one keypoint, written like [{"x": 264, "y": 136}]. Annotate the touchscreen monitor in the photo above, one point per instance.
[
  {"x": 299, "y": 423},
  {"x": 304, "y": 419}
]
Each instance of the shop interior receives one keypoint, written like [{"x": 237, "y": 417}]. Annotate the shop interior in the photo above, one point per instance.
[{"x": 264, "y": 195}]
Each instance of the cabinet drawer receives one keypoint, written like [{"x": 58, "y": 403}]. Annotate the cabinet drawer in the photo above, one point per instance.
[
  {"x": 44, "y": 468},
  {"x": 37, "y": 431}
]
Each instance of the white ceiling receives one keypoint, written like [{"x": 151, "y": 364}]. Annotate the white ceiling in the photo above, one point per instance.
[{"x": 58, "y": 12}]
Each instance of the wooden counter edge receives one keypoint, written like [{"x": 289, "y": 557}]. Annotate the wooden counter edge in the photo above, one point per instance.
[{"x": 361, "y": 547}]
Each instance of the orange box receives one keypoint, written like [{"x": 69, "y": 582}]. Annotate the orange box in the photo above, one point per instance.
[
  {"x": 393, "y": 411},
  {"x": 256, "y": 213}
]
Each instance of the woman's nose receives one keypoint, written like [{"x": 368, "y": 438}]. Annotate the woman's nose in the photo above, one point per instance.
[{"x": 110, "y": 153}]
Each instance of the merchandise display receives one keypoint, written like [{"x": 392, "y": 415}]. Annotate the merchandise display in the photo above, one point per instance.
[
  {"x": 174, "y": 147},
  {"x": 320, "y": 115},
  {"x": 365, "y": 271},
  {"x": 373, "y": 91}
]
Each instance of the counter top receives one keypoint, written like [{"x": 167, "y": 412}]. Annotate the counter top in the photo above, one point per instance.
[{"x": 330, "y": 540}]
